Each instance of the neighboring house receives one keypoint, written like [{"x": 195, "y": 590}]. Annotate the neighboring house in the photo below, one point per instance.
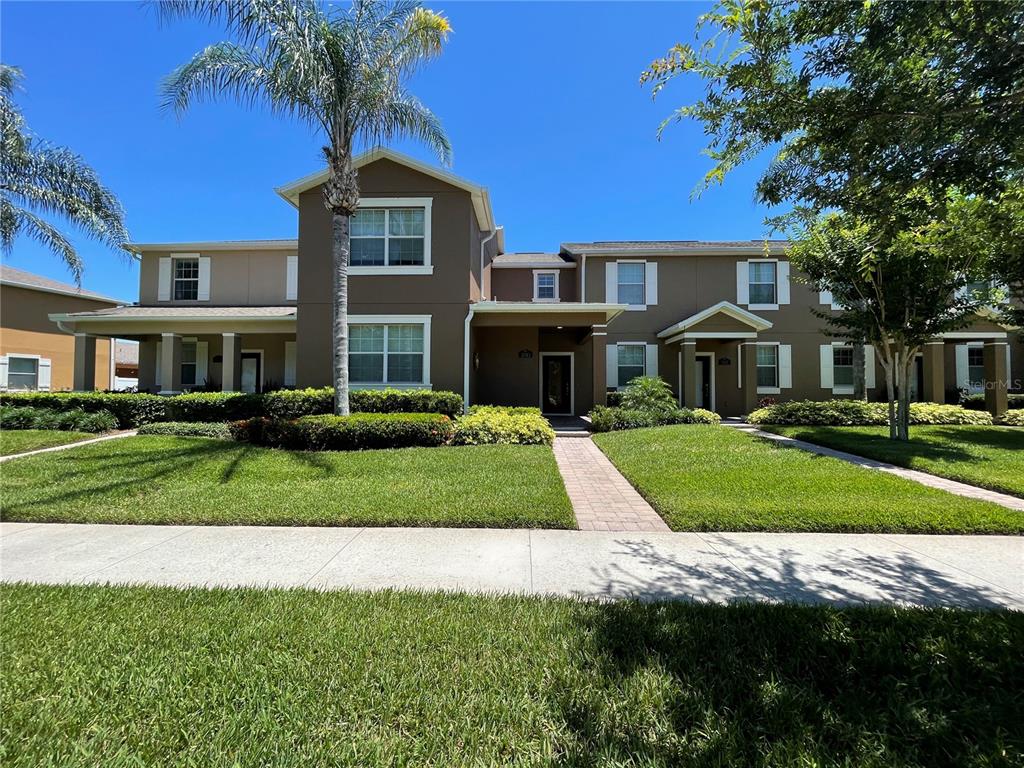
[
  {"x": 126, "y": 364},
  {"x": 34, "y": 353},
  {"x": 434, "y": 301}
]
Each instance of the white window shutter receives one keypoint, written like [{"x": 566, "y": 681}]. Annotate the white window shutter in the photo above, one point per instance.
[
  {"x": 159, "y": 359},
  {"x": 202, "y": 361},
  {"x": 742, "y": 283},
  {"x": 45, "y": 370},
  {"x": 3, "y": 371},
  {"x": 869, "y": 366},
  {"x": 291, "y": 291},
  {"x": 782, "y": 275},
  {"x": 163, "y": 290},
  {"x": 651, "y": 361},
  {"x": 611, "y": 282},
  {"x": 204, "y": 278},
  {"x": 826, "y": 366},
  {"x": 612, "y": 363},
  {"x": 825, "y": 297},
  {"x": 785, "y": 366},
  {"x": 963, "y": 376},
  {"x": 289, "y": 363},
  {"x": 651, "y": 278}
]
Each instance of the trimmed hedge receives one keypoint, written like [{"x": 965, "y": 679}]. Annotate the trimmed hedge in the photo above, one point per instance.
[
  {"x": 360, "y": 431},
  {"x": 605, "y": 419},
  {"x": 976, "y": 402},
  {"x": 490, "y": 424},
  {"x": 214, "y": 406},
  {"x": 850, "y": 413},
  {"x": 218, "y": 430},
  {"x": 76, "y": 420},
  {"x": 130, "y": 409},
  {"x": 1013, "y": 418}
]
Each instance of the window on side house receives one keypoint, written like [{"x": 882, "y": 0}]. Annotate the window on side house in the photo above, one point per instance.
[
  {"x": 186, "y": 279},
  {"x": 545, "y": 286},
  {"x": 767, "y": 365},
  {"x": 22, "y": 372},
  {"x": 632, "y": 362},
  {"x": 842, "y": 366},
  {"x": 631, "y": 283},
  {"x": 762, "y": 282},
  {"x": 386, "y": 354},
  {"x": 976, "y": 367},
  {"x": 188, "y": 365},
  {"x": 388, "y": 237}
]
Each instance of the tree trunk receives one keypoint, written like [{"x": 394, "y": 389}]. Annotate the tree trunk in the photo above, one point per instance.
[
  {"x": 339, "y": 261},
  {"x": 859, "y": 388},
  {"x": 890, "y": 385},
  {"x": 903, "y": 401}
]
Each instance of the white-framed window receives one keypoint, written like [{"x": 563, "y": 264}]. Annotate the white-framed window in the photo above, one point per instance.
[
  {"x": 976, "y": 367},
  {"x": 632, "y": 362},
  {"x": 189, "y": 368},
  {"x": 842, "y": 367},
  {"x": 392, "y": 353},
  {"x": 391, "y": 236},
  {"x": 762, "y": 282},
  {"x": 22, "y": 372},
  {"x": 185, "y": 278},
  {"x": 767, "y": 366},
  {"x": 631, "y": 285},
  {"x": 545, "y": 285}
]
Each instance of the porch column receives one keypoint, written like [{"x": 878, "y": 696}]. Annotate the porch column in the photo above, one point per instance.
[
  {"x": 85, "y": 362},
  {"x": 748, "y": 354},
  {"x": 996, "y": 377},
  {"x": 934, "y": 370},
  {"x": 600, "y": 364},
  {"x": 231, "y": 368},
  {"x": 170, "y": 364},
  {"x": 688, "y": 384}
]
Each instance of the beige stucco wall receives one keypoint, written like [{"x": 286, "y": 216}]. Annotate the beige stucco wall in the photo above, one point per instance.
[
  {"x": 517, "y": 284},
  {"x": 237, "y": 278}
]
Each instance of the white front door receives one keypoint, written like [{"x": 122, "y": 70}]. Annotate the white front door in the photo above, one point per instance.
[{"x": 250, "y": 373}]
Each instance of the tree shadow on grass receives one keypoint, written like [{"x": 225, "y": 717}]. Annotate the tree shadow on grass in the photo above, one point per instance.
[{"x": 687, "y": 684}]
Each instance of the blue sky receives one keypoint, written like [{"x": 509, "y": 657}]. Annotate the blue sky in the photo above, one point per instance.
[{"x": 541, "y": 101}]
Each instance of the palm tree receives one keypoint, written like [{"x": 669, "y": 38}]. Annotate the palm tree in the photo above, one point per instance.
[
  {"x": 341, "y": 71},
  {"x": 38, "y": 178}
]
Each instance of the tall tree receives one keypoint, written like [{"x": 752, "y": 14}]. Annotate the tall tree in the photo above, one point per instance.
[
  {"x": 340, "y": 70},
  {"x": 38, "y": 179}
]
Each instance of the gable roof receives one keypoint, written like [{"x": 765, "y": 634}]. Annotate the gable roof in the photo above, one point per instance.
[
  {"x": 19, "y": 278},
  {"x": 674, "y": 247},
  {"x": 727, "y": 308},
  {"x": 481, "y": 200}
]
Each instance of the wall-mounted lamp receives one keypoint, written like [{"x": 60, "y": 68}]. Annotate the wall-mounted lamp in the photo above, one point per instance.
[{"x": 476, "y": 361}]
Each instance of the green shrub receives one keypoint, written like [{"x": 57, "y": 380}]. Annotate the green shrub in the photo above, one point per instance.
[
  {"x": 187, "y": 429},
  {"x": 360, "y": 431},
  {"x": 76, "y": 420},
  {"x": 1013, "y": 418},
  {"x": 605, "y": 419},
  {"x": 849, "y": 413},
  {"x": 614, "y": 398},
  {"x": 405, "y": 401},
  {"x": 295, "y": 403},
  {"x": 130, "y": 409},
  {"x": 648, "y": 393},
  {"x": 489, "y": 424},
  {"x": 976, "y": 402},
  {"x": 214, "y": 406}
]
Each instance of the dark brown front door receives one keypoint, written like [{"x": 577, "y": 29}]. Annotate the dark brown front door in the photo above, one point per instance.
[{"x": 556, "y": 384}]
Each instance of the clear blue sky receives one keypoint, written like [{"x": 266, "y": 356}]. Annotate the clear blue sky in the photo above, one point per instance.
[{"x": 541, "y": 101}]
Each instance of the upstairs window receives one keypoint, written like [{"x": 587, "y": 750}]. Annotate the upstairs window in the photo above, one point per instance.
[
  {"x": 767, "y": 365},
  {"x": 631, "y": 283},
  {"x": 762, "y": 282},
  {"x": 545, "y": 286},
  {"x": 186, "y": 279},
  {"x": 388, "y": 237},
  {"x": 842, "y": 367}
]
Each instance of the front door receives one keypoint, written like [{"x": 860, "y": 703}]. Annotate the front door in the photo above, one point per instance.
[
  {"x": 704, "y": 399},
  {"x": 556, "y": 384},
  {"x": 251, "y": 373}
]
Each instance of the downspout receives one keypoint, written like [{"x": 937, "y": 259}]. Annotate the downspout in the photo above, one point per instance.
[
  {"x": 466, "y": 362},
  {"x": 483, "y": 250},
  {"x": 583, "y": 278}
]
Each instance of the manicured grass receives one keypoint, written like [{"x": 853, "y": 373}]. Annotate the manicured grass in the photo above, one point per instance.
[
  {"x": 717, "y": 478},
  {"x": 992, "y": 457},
  {"x": 21, "y": 440},
  {"x": 201, "y": 481},
  {"x": 141, "y": 676}
]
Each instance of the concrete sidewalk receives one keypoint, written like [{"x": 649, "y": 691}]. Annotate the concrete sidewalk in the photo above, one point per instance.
[{"x": 981, "y": 571}]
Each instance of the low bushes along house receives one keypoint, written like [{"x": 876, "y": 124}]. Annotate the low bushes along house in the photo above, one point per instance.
[{"x": 850, "y": 413}]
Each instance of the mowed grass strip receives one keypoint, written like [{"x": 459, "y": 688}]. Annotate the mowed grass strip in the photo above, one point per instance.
[
  {"x": 22, "y": 440},
  {"x": 141, "y": 676},
  {"x": 202, "y": 481},
  {"x": 718, "y": 478},
  {"x": 991, "y": 457}
]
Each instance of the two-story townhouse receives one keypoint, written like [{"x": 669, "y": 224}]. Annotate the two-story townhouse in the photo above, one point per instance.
[{"x": 435, "y": 301}]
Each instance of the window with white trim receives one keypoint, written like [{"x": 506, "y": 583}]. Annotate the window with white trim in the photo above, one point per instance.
[
  {"x": 842, "y": 366},
  {"x": 632, "y": 360},
  {"x": 762, "y": 282},
  {"x": 392, "y": 237},
  {"x": 188, "y": 365},
  {"x": 545, "y": 286},
  {"x": 632, "y": 283},
  {"x": 767, "y": 365},
  {"x": 186, "y": 279},
  {"x": 386, "y": 354},
  {"x": 976, "y": 367},
  {"x": 22, "y": 372}
]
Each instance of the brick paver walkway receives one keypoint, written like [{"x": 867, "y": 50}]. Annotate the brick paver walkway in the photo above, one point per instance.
[{"x": 601, "y": 497}]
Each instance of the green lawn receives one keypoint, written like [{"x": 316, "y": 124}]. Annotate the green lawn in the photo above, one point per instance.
[
  {"x": 141, "y": 676},
  {"x": 992, "y": 457},
  {"x": 718, "y": 478},
  {"x": 22, "y": 440},
  {"x": 201, "y": 481}
]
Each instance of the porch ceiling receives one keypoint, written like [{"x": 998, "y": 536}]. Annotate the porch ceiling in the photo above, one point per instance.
[
  {"x": 723, "y": 320},
  {"x": 530, "y": 314}
]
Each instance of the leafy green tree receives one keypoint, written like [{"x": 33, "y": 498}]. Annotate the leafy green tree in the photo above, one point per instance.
[
  {"x": 38, "y": 180},
  {"x": 340, "y": 70}
]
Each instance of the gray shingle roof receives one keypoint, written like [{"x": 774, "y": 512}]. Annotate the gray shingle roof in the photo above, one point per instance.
[
  {"x": 22, "y": 279},
  {"x": 526, "y": 257},
  {"x": 196, "y": 312},
  {"x": 669, "y": 246}
]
